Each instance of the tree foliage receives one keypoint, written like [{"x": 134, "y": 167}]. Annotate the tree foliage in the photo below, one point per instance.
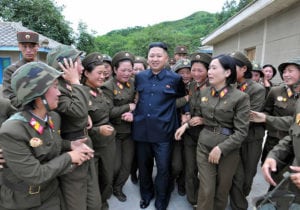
[{"x": 42, "y": 16}]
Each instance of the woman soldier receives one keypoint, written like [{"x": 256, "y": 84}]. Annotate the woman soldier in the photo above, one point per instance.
[
  {"x": 120, "y": 93},
  {"x": 225, "y": 115},
  {"x": 269, "y": 72},
  {"x": 250, "y": 150},
  {"x": 199, "y": 69},
  {"x": 102, "y": 133},
  {"x": 73, "y": 108},
  {"x": 279, "y": 108},
  {"x": 36, "y": 154}
]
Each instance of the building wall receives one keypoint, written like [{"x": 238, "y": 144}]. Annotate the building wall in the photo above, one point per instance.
[{"x": 276, "y": 39}]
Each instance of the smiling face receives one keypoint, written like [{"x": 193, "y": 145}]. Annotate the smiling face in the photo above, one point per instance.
[
  {"x": 291, "y": 74},
  {"x": 124, "y": 71},
  {"x": 185, "y": 74},
  {"x": 157, "y": 59},
  {"x": 96, "y": 77},
  {"x": 217, "y": 74}
]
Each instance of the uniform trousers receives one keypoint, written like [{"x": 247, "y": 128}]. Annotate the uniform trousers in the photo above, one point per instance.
[
  {"x": 178, "y": 163},
  {"x": 215, "y": 179},
  {"x": 191, "y": 170},
  {"x": 82, "y": 179},
  {"x": 250, "y": 152},
  {"x": 161, "y": 152},
  {"x": 104, "y": 162},
  {"x": 123, "y": 159}
]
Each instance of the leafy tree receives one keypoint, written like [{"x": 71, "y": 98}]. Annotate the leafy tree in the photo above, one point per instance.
[
  {"x": 42, "y": 16},
  {"x": 85, "y": 41}
]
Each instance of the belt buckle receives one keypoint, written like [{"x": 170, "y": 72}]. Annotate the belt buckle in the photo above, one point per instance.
[{"x": 34, "y": 189}]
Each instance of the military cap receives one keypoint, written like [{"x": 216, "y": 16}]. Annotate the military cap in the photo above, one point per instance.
[
  {"x": 92, "y": 58},
  {"x": 181, "y": 49},
  {"x": 239, "y": 56},
  {"x": 159, "y": 44},
  {"x": 59, "y": 53},
  {"x": 294, "y": 61},
  {"x": 121, "y": 56},
  {"x": 107, "y": 58},
  {"x": 140, "y": 59},
  {"x": 172, "y": 61},
  {"x": 200, "y": 57},
  {"x": 28, "y": 37},
  {"x": 32, "y": 80},
  {"x": 256, "y": 67},
  {"x": 182, "y": 63}
]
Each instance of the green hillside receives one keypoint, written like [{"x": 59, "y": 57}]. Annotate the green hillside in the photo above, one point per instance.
[{"x": 187, "y": 31}]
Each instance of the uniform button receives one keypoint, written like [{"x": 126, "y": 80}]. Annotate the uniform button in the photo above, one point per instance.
[
  {"x": 149, "y": 104},
  {"x": 152, "y": 94},
  {"x": 153, "y": 84},
  {"x": 148, "y": 115}
]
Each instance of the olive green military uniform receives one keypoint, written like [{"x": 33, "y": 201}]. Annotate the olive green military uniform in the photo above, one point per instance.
[
  {"x": 120, "y": 95},
  {"x": 226, "y": 123},
  {"x": 7, "y": 90},
  {"x": 190, "y": 139},
  {"x": 6, "y": 110},
  {"x": 279, "y": 107},
  {"x": 33, "y": 162},
  {"x": 73, "y": 108},
  {"x": 287, "y": 147},
  {"x": 104, "y": 146},
  {"x": 251, "y": 148}
]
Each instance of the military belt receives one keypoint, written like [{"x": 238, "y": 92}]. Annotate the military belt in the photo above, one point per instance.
[
  {"x": 75, "y": 135},
  {"x": 219, "y": 130},
  {"x": 22, "y": 187}
]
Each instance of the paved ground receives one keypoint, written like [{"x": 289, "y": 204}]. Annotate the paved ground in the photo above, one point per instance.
[{"x": 177, "y": 202}]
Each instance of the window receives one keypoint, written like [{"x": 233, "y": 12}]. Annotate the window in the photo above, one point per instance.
[
  {"x": 250, "y": 53},
  {"x": 4, "y": 62}
]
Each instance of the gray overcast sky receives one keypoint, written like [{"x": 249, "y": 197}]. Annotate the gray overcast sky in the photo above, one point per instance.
[{"x": 105, "y": 16}]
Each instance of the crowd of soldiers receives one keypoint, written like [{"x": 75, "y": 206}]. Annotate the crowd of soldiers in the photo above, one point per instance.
[{"x": 75, "y": 128}]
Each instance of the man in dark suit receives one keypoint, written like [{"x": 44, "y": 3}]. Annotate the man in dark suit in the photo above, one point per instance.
[{"x": 154, "y": 124}]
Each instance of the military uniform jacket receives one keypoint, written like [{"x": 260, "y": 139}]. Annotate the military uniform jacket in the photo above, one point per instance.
[
  {"x": 120, "y": 96},
  {"x": 155, "y": 117},
  {"x": 99, "y": 108},
  {"x": 256, "y": 93},
  {"x": 7, "y": 90},
  {"x": 279, "y": 107},
  {"x": 73, "y": 107},
  {"x": 32, "y": 149},
  {"x": 194, "y": 104},
  {"x": 6, "y": 110},
  {"x": 289, "y": 145},
  {"x": 231, "y": 111}
]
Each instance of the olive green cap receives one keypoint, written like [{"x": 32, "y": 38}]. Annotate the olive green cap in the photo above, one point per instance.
[
  {"x": 140, "y": 59},
  {"x": 182, "y": 63},
  {"x": 107, "y": 58},
  {"x": 200, "y": 57},
  {"x": 32, "y": 80},
  {"x": 28, "y": 37},
  {"x": 59, "y": 53},
  {"x": 181, "y": 49},
  {"x": 256, "y": 67},
  {"x": 242, "y": 58},
  {"x": 282, "y": 66},
  {"x": 121, "y": 56},
  {"x": 172, "y": 61},
  {"x": 92, "y": 58}
]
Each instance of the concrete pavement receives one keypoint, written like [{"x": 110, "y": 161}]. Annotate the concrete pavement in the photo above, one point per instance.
[{"x": 178, "y": 202}]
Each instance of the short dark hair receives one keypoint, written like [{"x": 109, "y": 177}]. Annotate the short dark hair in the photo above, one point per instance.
[
  {"x": 273, "y": 68},
  {"x": 228, "y": 63},
  {"x": 159, "y": 44},
  {"x": 248, "y": 73}
]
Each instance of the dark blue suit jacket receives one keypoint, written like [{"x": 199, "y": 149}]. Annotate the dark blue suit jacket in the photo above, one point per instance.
[{"x": 155, "y": 116}]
